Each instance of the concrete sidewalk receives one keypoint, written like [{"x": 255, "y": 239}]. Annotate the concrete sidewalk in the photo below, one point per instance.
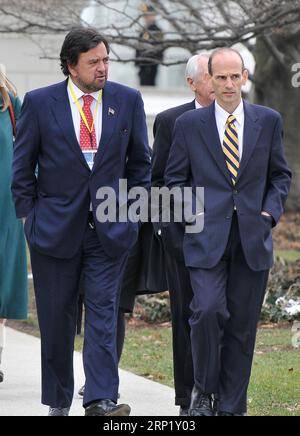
[{"x": 20, "y": 391}]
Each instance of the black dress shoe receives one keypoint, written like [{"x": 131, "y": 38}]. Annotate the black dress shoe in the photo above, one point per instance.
[
  {"x": 107, "y": 408},
  {"x": 1, "y": 376},
  {"x": 183, "y": 411},
  {"x": 201, "y": 404},
  {"x": 57, "y": 411}
]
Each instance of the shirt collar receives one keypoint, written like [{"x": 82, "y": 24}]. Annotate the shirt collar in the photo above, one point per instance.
[
  {"x": 223, "y": 115},
  {"x": 79, "y": 94},
  {"x": 198, "y": 105}
]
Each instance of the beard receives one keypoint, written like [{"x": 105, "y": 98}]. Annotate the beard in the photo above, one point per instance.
[{"x": 90, "y": 87}]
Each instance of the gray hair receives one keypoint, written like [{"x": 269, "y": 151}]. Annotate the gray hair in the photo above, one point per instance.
[{"x": 193, "y": 69}]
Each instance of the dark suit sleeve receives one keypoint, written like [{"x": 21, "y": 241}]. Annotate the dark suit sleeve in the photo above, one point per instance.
[
  {"x": 161, "y": 149},
  {"x": 25, "y": 158},
  {"x": 138, "y": 167},
  {"x": 178, "y": 165},
  {"x": 279, "y": 176}
]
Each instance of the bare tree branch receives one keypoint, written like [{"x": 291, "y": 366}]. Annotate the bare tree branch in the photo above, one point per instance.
[
  {"x": 279, "y": 57},
  {"x": 193, "y": 25}
]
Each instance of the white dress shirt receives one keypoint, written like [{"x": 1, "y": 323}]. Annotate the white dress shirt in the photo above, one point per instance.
[
  {"x": 221, "y": 119},
  {"x": 77, "y": 118},
  {"x": 198, "y": 105},
  {"x": 76, "y": 115}
]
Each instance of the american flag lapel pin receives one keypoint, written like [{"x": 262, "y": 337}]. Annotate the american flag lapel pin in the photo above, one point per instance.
[{"x": 111, "y": 111}]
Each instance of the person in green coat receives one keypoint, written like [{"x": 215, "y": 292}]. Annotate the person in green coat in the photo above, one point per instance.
[{"x": 13, "y": 264}]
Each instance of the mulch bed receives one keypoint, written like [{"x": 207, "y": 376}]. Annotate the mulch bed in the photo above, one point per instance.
[{"x": 287, "y": 233}]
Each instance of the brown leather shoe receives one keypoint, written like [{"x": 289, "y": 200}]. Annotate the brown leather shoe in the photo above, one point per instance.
[{"x": 107, "y": 408}]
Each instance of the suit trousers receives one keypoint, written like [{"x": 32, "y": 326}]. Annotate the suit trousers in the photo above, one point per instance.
[
  {"x": 56, "y": 283},
  {"x": 181, "y": 295},
  {"x": 225, "y": 312}
]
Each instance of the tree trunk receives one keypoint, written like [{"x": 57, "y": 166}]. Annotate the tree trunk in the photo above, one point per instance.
[{"x": 274, "y": 89}]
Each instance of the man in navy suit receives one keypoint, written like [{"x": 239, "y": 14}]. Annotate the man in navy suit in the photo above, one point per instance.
[
  {"x": 234, "y": 150},
  {"x": 83, "y": 134},
  {"x": 179, "y": 284}
]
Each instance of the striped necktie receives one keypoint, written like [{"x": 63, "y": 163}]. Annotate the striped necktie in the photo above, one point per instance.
[{"x": 231, "y": 148}]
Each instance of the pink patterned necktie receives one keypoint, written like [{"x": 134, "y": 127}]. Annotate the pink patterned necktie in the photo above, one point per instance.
[{"x": 87, "y": 139}]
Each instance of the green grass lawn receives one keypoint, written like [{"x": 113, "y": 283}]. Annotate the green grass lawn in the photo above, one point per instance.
[
  {"x": 288, "y": 254},
  {"x": 275, "y": 383}
]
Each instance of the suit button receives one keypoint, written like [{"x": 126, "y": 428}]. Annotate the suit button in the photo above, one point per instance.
[{"x": 235, "y": 192}]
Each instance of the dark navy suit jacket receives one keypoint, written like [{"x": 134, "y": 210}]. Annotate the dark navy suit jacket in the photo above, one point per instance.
[
  {"x": 163, "y": 132},
  {"x": 197, "y": 159},
  {"x": 57, "y": 203}
]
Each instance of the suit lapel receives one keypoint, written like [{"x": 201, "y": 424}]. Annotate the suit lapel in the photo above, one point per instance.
[
  {"x": 209, "y": 132},
  {"x": 210, "y": 135},
  {"x": 63, "y": 115},
  {"x": 190, "y": 106},
  {"x": 252, "y": 131},
  {"x": 110, "y": 113}
]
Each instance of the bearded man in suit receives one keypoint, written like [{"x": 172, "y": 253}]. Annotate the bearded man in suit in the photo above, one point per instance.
[{"x": 83, "y": 134}]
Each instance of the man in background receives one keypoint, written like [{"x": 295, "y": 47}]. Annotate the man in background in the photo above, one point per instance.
[{"x": 150, "y": 38}]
